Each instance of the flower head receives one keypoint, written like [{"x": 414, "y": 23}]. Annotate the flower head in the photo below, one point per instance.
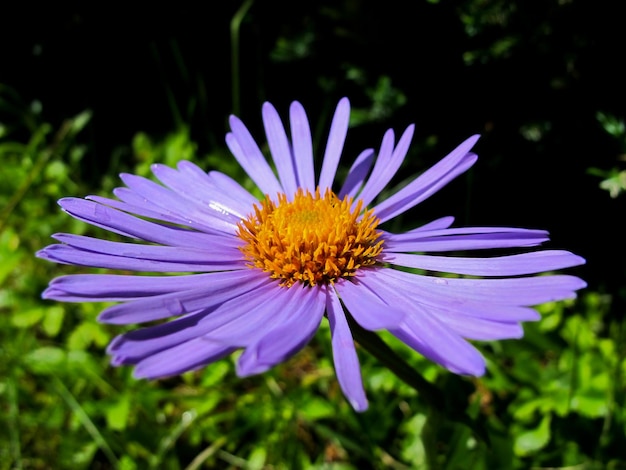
[{"x": 265, "y": 273}]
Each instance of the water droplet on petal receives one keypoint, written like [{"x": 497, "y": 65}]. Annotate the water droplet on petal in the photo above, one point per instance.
[
  {"x": 441, "y": 281},
  {"x": 101, "y": 213},
  {"x": 174, "y": 306}
]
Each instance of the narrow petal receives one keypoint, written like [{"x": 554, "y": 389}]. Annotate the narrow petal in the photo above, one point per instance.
[
  {"x": 286, "y": 338},
  {"x": 524, "y": 291},
  {"x": 402, "y": 292},
  {"x": 480, "y": 329},
  {"x": 366, "y": 306},
  {"x": 197, "y": 216},
  {"x": 437, "y": 224},
  {"x": 513, "y": 265},
  {"x": 127, "y": 225},
  {"x": 280, "y": 149},
  {"x": 270, "y": 308},
  {"x": 357, "y": 174},
  {"x": 135, "y": 345},
  {"x": 237, "y": 199},
  {"x": 187, "y": 356},
  {"x": 216, "y": 249},
  {"x": 481, "y": 321},
  {"x": 85, "y": 251},
  {"x": 68, "y": 255},
  {"x": 134, "y": 204},
  {"x": 387, "y": 164},
  {"x": 117, "y": 287},
  {"x": 334, "y": 146},
  {"x": 179, "y": 303},
  {"x": 466, "y": 238},
  {"x": 203, "y": 196},
  {"x": 346, "y": 361},
  {"x": 218, "y": 221},
  {"x": 247, "y": 153},
  {"x": 456, "y": 163},
  {"x": 429, "y": 337},
  {"x": 256, "y": 304},
  {"x": 302, "y": 146}
]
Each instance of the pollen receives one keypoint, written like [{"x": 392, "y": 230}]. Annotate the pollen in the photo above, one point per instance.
[{"x": 312, "y": 239}]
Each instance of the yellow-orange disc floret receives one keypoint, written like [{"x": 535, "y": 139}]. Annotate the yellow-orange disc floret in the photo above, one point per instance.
[{"x": 311, "y": 239}]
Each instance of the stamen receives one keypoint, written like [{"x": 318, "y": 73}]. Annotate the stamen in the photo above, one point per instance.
[{"x": 312, "y": 239}]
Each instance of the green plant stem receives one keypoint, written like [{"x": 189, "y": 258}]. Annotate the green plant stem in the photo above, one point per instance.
[
  {"x": 235, "y": 26},
  {"x": 381, "y": 351}
]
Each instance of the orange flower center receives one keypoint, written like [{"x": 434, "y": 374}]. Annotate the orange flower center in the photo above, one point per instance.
[{"x": 313, "y": 239}]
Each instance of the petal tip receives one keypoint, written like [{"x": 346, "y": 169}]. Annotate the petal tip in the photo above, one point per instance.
[{"x": 359, "y": 405}]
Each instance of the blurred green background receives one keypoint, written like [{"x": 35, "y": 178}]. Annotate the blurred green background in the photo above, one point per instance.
[{"x": 87, "y": 92}]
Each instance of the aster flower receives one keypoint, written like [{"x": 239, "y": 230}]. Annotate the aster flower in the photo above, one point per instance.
[{"x": 265, "y": 273}]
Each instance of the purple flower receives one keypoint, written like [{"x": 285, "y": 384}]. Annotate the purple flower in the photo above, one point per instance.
[{"x": 267, "y": 272}]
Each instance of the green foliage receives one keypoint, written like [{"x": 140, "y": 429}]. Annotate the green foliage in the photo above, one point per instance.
[
  {"x": 68, "y": 408},
  {"x": 554, "y": 399},
  {"x": 613, "y": 180}
]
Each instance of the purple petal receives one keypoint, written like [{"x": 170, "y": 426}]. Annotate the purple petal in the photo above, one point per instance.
[
  {"x": 68, "y": 255},
  {"x": 457, "y": 162},
  {"x": 214, "y": 222},
  {"x": 366, "y": 306},
  {"x": 346, "y": 361},
  {"x": 247, "y": 153},
  {"x": 135, "y": 345},
  {"x": 115, "y": 287},
  {"x": 513, "y": 265},
  {"x": 236, "y": 196},
  {"x": 479, "y": 328},
  {"x": 359, "y": 170},
  {"x": 525, "y": 291},
  {"x": 466, "y": 238},
  {"x": 399, "y": 292},
  {"x": 334, "y": 146},
  {"x": 273, "y": 306},
  {"x": 217, "y": 248},
  {"x": 438, "y": 343},
  {"x": 179, "y": 303},
  {"x": 387, "y": 164},
  {"x": 482, "y": 321},
  {"x": 195, "y": 215},
  {"x": 184, "y": 357},
  {"x": 437, "y": 224},
  {"x": 134, "y": 227},
  {"x": 202, "y": 195},
  {"x": 280, "y": 149},
  {"x": 134, "y": 204},
  {"x": 235, "y": 199},
  {"x": 286, "y": 338},
  {"x": 85, "y": 251},
  {"x": 235, "y": 312},
  {"x": 302, "y": 146}
]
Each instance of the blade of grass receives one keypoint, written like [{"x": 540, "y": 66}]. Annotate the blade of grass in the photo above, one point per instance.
[
  {"x": 206, "y": 453},
  {"x": 14, "y": 429},
  {"x": 86, "y": 421}
]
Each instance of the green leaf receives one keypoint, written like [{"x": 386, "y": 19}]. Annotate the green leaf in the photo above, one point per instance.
[
  {"x": 127, "y": 463},
  {"x": 86, "y": 334},
  {"x": 118, "y": 412},
  {"x": 45, "y": 360},
  {"x": 257, "y": 458},
  {"x": 53, "y": 320},
  {"x": 27, "y": 318},
  {"x": 536, "y": 439},
  {"x": 315, "y": 408}
]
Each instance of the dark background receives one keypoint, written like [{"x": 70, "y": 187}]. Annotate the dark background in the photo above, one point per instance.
[{"x": 530, "y": 76}]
